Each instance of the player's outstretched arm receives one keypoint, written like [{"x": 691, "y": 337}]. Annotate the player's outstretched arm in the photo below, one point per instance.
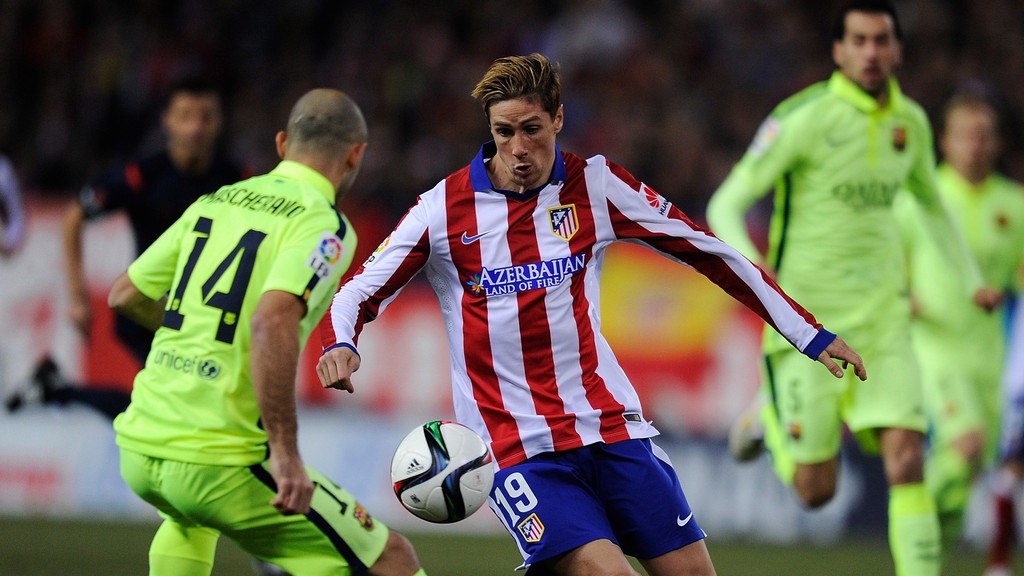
[
  {"x": 336, "y": 366},
  {"x": 840, "y": 350}
]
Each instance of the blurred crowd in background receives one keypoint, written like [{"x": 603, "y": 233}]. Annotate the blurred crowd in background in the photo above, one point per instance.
[{"x": 673, "y": 90}]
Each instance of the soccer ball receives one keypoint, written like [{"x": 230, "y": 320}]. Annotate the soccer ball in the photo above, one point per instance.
[{"x": 442, "y": 471}]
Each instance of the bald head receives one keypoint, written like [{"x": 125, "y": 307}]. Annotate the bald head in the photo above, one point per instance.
[
  {"x": 327, "y": 132},
  {"x": 324, "y": 123}
]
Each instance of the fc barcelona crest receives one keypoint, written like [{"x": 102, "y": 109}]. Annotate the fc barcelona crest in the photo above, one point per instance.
[
  {"x": 563, "y": 221},
  {"x": 899, "y": 138}
]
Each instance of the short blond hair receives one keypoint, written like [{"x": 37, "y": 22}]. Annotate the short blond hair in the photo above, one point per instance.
[
  {"x": 512, "y": 77},
  {"x": 975, "y": 100}
]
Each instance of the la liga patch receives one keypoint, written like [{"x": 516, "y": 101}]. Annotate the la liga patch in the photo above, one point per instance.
[{"x": 326, "y": 255}]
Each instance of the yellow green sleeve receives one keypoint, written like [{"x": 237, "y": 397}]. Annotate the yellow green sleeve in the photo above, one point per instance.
[{"x": 947, "y": 236}]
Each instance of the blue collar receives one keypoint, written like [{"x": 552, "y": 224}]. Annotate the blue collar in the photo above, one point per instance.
[{"x": 482, "y": 182}]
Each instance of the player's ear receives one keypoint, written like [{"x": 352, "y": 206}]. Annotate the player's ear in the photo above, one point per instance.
[
  {"x": 355, "y": 155},
  {"x": 281, "y": 141}
]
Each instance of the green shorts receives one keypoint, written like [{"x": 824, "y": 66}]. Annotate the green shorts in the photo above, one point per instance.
[
  {"x": 812, "y": 405},
  {"x": 962, "y": 394},
  {"x": 336, "y": 537}
]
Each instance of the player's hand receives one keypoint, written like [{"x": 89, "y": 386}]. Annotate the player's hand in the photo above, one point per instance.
[
  {"x": 335, "y": 368},
  {"x": 840, "y": 350},
  {"x": 294, "y": 488},
  {"x": 988, "y": 298},
  {"x": 80, "y": 313}
]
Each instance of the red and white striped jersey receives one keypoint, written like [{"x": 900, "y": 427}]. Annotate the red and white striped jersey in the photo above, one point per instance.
[{"x": 517, "y": 277}]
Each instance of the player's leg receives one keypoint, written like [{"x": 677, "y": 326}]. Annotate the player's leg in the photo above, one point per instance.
[
  {"x": 398, "y": 559},
  {"x": 581, "y": 511},
  {"x": 950, "y": 470},
  {"x": 182, "y": 550},
  {"x": 887, "y": 414},
  {"x": 1007, "y": 480},
  {"x": 180, "y": 547},
  {"x": 1004, "y": 538},
  {"x": 747, "y": 432},
  {"x": 957, "y": 432},
  {"x": 693, "y": 557},
  {"x": 337, "y": 536},
  {"x": 815, "y": 484},
  {"x": 557, "y": 522},
  {"x": 914, "y": 536},
  {"x": 596, "y": 558},
  {"x": 802, "y": 425},
  {"x": 1004, "y": 483},
  {"x": 648, "y": 510},
  {"x": 49, "y": 386}
]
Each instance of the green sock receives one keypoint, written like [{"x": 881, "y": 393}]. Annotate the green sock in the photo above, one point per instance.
[
  {"x": 949, "y": 477},
  {"x": 914, "y": 531},
  {"x": 420, "y": 572}
]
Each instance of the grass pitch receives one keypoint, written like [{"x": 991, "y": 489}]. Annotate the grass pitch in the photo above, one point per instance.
[{"x": 36, "y": 547}]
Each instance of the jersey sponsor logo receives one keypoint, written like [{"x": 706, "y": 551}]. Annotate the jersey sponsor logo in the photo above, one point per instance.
[
  {"x": 899, "y": 138},
  {"x": 208, "y": 369},
  {"x": 767, "y": 132},
  {"x": 563, "y": 221},
  {"x": 525, "y": 277},
  {"x": 532, "y": 528},
  {"x": 795, "y": 430},
  {"x": 870, "y": 194},
  {"x": 684, "y": 521},
  {"x": 326, "y": 255},
  {"x": 655, "y": 200},
  {"x": 204, "y": 368},
  {"x": 467, "y": 239}
]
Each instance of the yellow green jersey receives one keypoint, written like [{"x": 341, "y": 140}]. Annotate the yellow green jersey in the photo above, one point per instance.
[
  {"x": 194, "y": 399},
  {"x": 836, "y": 160},
  {"x": 990, "y": 217}
]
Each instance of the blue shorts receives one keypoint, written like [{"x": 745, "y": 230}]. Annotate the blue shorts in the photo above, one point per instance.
[{"x": 626, "y": 492}]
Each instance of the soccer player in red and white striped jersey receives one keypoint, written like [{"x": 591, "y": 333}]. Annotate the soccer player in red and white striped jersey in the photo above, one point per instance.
[{"x": 513, "y": 246}]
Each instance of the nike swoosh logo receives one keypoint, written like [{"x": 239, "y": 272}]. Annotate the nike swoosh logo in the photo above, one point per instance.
[
  {"x": 684, "y": 521},
  {"x": 470, "y": 239}
]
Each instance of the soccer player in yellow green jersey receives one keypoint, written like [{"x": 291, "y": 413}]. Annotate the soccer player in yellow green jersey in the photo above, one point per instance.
[
  {"x": 233, "y": 289},
  {"x": 961, "y": 348},
  {"x": 836, "y": 154}
]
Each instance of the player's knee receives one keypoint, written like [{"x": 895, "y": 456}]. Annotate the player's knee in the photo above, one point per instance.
[
  {"x": 815, "y": 496},
  {"x": 902, "y": 456},
  {"x": 398, "y": 559},
  {"x": 971, "y": 446},
  {"x": 905, "y": 466},
  {"x": 815, "y": 484}
]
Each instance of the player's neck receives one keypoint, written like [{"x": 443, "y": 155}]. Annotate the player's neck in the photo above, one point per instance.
[
  {"x": 974, "y": 176},
  {"x": 188, "y": 161}
]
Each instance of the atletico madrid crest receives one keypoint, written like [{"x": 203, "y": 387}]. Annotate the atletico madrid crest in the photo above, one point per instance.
[
  {"x": 563, "y": 221},
  {"x": 532, "y": 529}
]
